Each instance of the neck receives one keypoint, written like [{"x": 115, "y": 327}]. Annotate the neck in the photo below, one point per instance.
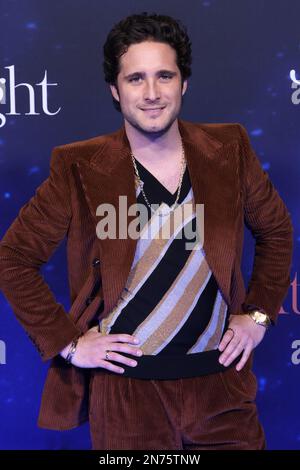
[{"x": 154, "y": 148}]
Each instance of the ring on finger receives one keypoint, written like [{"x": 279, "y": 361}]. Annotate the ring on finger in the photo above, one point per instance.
[{"x": 233, "y": 332}]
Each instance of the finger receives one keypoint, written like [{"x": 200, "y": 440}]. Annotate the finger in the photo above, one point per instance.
[
  {"x": 245, "y": 356},
  {"x": 135, "y": 350},
  {"x": 122, "y": 338},
  {"x": 228, "y": 336},
  {"x": 234, "y": 354},
  {"x": 113, "y": 356},
  {"x": 107, "y": 365},
  {"x": 229, "y": 349}
]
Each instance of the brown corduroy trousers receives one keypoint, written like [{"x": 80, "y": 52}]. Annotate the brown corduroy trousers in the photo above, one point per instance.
[{"x": 213, "y": 412}]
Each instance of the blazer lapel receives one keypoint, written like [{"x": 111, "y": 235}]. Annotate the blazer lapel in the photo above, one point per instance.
[
  {"x": 110, "y": 173},
  {"x": 107, "y": 175}
]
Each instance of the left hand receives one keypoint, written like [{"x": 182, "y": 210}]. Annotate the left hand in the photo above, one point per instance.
[{"x": 246, "y": 335}]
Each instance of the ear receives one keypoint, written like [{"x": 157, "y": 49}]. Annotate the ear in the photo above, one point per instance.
[
  {"x": 184, "y": 87},
  {"x": 114, "y": 92}
]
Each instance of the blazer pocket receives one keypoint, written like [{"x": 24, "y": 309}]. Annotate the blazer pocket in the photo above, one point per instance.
[
  {"x": 88, "y": 296},
  {"x": 89, "y": 315}
]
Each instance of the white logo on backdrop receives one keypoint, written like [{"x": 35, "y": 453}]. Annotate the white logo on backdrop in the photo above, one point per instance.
[
  {"x": 295, "y": 86},
  {"x": 37, "y": 97},
  {"x": 2, "y": 352}
]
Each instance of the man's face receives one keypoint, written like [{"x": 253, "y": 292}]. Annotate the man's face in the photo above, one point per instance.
[{"x": 149, "y": 86}]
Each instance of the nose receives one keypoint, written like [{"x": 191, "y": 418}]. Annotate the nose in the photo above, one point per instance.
[{"x": 152, "y": 91}]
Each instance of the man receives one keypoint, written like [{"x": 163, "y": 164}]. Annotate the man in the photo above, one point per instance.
[{"x": 186, "y": 382}]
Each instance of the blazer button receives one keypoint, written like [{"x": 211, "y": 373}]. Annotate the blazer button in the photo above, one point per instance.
[
  {"x": 95, "y": 262},
  {"x": 89, "y": 300}
]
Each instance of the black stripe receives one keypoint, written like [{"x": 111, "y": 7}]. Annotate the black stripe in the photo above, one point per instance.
[
  {"x": 154, "y": 288},
  {"x": 196, "y": 323}
]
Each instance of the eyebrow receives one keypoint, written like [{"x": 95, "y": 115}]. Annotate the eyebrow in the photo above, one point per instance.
[{"x": 142, "y": 74}]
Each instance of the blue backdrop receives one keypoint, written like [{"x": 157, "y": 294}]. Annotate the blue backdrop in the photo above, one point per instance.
[{"x": 243, "y": 51}]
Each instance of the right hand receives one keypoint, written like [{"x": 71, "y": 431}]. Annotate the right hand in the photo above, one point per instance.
[{"x": 92, "y": 346}]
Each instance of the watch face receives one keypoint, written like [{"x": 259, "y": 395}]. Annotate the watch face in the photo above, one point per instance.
[{"x": 260, "y": 317}]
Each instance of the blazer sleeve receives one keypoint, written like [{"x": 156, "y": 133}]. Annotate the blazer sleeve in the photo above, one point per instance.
[
  {"x": 29, "y": 242},
  {"x": 269, "y": 221}
]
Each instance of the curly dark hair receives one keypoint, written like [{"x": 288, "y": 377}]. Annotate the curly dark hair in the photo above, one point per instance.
[{"x": 142, "y": 27}]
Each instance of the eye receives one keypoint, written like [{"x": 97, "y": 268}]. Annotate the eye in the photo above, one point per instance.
[
  {"x": 164, "y": 75},
  {"x": 134, "y": 79}
]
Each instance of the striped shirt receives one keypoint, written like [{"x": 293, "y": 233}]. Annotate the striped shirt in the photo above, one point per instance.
[{"x": 171, "y": 300}]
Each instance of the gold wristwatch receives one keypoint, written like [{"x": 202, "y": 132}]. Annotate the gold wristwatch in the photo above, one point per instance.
[{"x": 260, "y": 318}]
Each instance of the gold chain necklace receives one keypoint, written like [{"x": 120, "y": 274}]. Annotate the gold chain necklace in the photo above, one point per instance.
[{"x": 173, "y": 207}]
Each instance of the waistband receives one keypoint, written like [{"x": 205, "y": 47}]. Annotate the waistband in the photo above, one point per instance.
[{"x": 166, "y": 367}]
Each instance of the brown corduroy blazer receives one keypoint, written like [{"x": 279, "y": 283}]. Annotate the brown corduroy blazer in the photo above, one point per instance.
[{"x": 226, "y": 176}]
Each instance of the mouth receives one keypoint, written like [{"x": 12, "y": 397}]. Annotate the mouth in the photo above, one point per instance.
[{"x": 153, "y": 111}]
